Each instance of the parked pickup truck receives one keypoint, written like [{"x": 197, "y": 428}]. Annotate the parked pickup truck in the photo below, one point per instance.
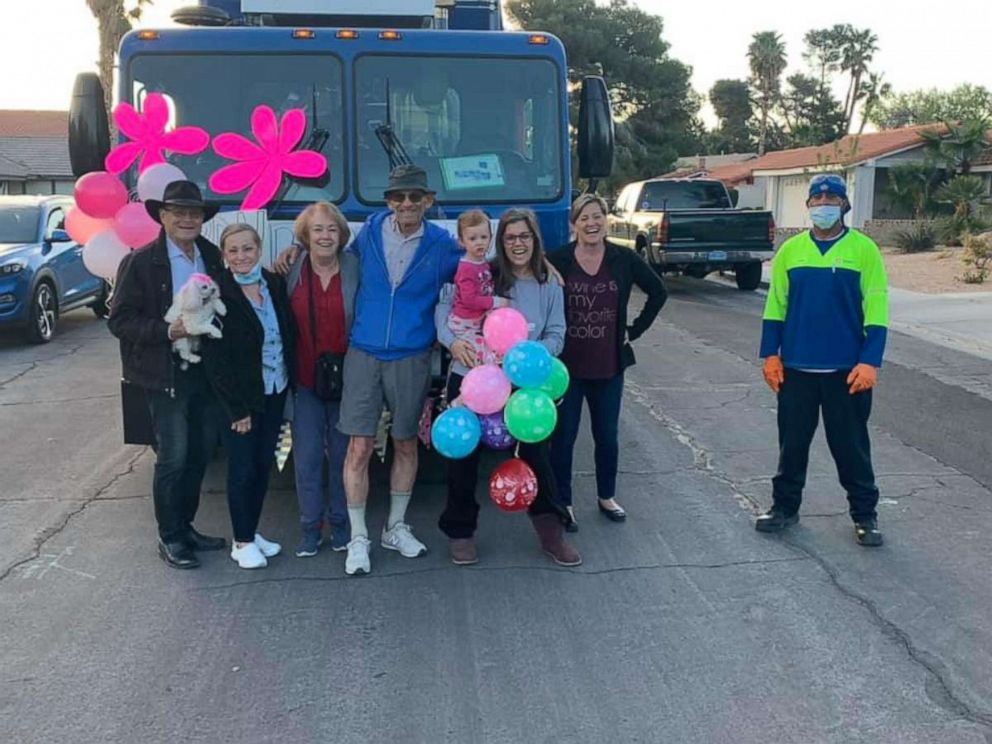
[{"x": 690, "y": 226}]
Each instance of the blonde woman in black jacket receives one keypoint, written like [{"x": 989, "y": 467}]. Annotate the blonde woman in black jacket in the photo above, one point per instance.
[{"x": 250, "y": 369}]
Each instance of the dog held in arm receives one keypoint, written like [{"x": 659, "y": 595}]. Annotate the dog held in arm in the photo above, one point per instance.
[{"x": 197, "y": 303}]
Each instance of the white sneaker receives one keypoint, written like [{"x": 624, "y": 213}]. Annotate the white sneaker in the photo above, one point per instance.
[
  {"x": 357, "y": 561},
  {"x": 267, "y": 547},
  {"x": 401, "y": 538},
  {"x": 248, "y": 556}
]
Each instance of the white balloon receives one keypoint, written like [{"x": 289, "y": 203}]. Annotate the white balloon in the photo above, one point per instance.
[
  {"x": 104, "y": 253},
  {"x": 152, "y": 183}
]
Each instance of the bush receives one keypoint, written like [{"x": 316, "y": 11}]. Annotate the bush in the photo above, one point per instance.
[
  {"x": 919, "y": 237},
  {"x": 977, "y": 258},
  {"x": 951, "y": 230}
]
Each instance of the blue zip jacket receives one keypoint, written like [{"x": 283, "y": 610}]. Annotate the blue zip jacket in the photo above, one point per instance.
[{"x": 393, "y": 323}]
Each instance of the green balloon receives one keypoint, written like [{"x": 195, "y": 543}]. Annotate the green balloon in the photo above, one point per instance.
[
  {"x": 557, "y": 382},
  {"x": 530, "y": 415}
]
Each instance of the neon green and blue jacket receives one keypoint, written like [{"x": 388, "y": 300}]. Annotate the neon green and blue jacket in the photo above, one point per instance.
[{"x": 827, "y": 307}]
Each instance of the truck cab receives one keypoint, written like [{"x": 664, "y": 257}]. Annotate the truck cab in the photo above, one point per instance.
[{"x": 690, "y": 226}]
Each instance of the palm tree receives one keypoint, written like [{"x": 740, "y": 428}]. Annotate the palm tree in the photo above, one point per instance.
[
  {"x": 113, "y": 20},
  {"x": 873, "y": 90},
  {"x": 958, "y": 144},
  {"x": 858, "y": 50},
  {"x": 766, "y": 58}
]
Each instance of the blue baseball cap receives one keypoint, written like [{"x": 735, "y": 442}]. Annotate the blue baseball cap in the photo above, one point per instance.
[{"x": 828, "y": 183}]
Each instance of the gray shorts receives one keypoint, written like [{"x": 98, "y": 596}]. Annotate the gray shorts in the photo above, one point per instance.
[{"x": 401, "y": 384}]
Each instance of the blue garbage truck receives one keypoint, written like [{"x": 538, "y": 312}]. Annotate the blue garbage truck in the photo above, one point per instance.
[{"x": 439, "y": 83}]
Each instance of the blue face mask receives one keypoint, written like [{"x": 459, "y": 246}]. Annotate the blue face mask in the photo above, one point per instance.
[
  {"x": 825, "y": 216},
  {"x": 252, "y": 277}
]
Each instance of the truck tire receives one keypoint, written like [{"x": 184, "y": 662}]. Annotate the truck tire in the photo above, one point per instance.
[
  {"x": 101, "y": 305},
  {"x": 748, "y": 275},
  {"x": 43, "y": 314}
]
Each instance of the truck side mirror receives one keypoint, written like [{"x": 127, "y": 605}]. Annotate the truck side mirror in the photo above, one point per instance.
[
  {"x": 58, "y": 235},
  {"x": 595, "y": 129},
  {"x": 89, "y": 132},
  {"x": 734, "y": 196}
]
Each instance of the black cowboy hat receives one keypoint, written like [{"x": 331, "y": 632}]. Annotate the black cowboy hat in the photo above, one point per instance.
[
  {"x": 181, "y": 194},
  {"x": 407, "y": 178}
]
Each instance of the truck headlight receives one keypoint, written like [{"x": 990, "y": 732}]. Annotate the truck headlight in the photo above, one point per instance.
[{"x": 13, "y": 267}]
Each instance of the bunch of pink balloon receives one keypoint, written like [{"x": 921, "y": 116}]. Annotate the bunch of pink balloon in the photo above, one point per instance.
[{"x": 107, "y": 224}]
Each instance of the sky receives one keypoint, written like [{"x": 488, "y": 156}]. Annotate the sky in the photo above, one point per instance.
[{"x": 919, "y": 48}]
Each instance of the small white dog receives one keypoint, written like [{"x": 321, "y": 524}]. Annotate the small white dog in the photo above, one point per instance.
[{"x": 197, "y": 303}]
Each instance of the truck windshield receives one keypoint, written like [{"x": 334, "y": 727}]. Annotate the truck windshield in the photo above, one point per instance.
[
  {"x": 218, "y": 92},
  {"x": 662, "y": 195},
  {"x": 19, "y": 224},
  {"x": 484, "y": 129}
]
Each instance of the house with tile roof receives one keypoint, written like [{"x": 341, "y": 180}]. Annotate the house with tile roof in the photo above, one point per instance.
[
  {"x": 865, "y": 160},
  {"x": 34, "y": 153}
]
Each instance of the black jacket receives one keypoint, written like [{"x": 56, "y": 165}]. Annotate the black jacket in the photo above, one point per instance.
[
  {"x": 142, "y": 296},
  {"x": 627, "y": 269},
  {"x": 233, "y": 363}
]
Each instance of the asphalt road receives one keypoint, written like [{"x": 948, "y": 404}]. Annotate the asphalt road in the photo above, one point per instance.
[{"x": 683, "y": 625}]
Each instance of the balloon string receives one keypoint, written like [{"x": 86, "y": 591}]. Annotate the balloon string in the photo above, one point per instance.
[{"x": 516, "y": 450}]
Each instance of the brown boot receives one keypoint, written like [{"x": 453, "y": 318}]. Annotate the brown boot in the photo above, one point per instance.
[
  {"x": 551, "y": 533},
  {"x": 462, "y": 551}
]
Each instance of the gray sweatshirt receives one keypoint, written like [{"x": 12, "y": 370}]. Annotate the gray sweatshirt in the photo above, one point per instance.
[{"x": 543, "y": 305}]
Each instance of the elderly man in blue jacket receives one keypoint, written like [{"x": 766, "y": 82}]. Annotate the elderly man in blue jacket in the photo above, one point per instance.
[{"x": 404, "y": 262}]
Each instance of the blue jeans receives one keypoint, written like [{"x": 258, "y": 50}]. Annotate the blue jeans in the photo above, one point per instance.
[
  {"x": 187, "y": 428},
  {"x": 249, "y": 462},
  {"x": 316, "y": 440},
  {"x": 603, "y": 397}
]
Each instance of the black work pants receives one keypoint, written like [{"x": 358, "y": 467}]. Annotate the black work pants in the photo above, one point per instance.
[{"x": 801, "y": 399}]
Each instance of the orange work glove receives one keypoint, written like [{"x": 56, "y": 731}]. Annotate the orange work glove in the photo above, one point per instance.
[
  {"x": 774, "y": 372},
  {"x": 863, "y": 377}
]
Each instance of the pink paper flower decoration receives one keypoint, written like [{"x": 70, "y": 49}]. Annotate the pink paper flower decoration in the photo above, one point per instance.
[
  {"x": 261, "y": 166},
  {"x": 148, "y": 136}
]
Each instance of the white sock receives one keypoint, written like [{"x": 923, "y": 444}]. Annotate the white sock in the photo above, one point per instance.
[
  {"x": 398, "y": 502},
  {"x": 356, "y": 514}
]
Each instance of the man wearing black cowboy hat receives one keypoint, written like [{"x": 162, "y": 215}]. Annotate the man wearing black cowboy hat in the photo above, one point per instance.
[{"x": 182, "y": 406}]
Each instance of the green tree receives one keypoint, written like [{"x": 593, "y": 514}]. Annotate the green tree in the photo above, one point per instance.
[
  {"x": 812, "y": 115},
  {"x": 653, "y": 102},
  {"x": 822, "y": 53},
  {"x": 114, "y": 19},
  {"x": 858, "y": 47},
  {"x": 731, "y": 103},
  {"x": 911, "y": 186},
  {"x": 766, "y": 60},
  {"x": 873, "y": 91},
  {"x": 958, "y": 145},
  {"x": 928, "y": 106}
]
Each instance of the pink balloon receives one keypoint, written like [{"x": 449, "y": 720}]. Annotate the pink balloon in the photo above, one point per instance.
[
  {"x": 152, "y": 182},
  {"x": 503, "y": 328},
  {"x": 103, "y": 254},
  {"x": 133, "y": 225},
  {"x": 100, "y": 194},
  {"x": 81, "y": 227},
  {"x": 485, "y": 389}
]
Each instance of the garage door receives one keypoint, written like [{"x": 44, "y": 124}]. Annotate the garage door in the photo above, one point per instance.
[{"x": 791, "y": 208}]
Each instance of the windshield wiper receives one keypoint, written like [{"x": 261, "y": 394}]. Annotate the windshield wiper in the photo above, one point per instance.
[
  {"x": 389, "y": 140},
  {"x": 316, "y": 141}
]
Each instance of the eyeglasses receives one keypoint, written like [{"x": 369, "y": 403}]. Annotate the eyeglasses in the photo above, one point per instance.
[
  {"x": 521, "y": 238},
  {"x": 186, "y": 212},
  {"x": 398, "y": 197}
]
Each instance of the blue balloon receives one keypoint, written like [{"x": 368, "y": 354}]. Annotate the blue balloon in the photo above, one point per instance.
[
  {"x": 527, "y": 364},
  {"x": 456, "y": 432}
]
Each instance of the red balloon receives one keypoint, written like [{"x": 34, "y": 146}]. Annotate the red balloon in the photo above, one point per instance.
[
  {"x": 100, "y": 194},
  {"x": 81, "y": 227},
  {"x": 133, "y": 225},
  {"x": 513, "y": 485}
]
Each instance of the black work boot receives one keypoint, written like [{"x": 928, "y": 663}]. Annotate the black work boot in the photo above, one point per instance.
[
  {"x": 775, "y": 520},
  {"x": 866, "y": 532}
]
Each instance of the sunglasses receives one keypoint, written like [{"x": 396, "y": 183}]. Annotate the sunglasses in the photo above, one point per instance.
[{"x": 398, "y": 197}]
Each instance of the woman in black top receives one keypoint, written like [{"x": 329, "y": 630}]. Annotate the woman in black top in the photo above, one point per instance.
[{"x": 598, "y": 279}]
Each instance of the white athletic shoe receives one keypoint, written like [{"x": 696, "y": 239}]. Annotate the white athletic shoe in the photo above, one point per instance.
[
  {"x": 267, "y": 547},
  {"x": 248, "y": 556},
  {"x": 357, "y": 561},
  {"x": 401, "y": 538}
]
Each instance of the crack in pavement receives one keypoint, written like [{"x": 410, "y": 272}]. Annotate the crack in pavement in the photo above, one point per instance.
[
  {"x": 50, "y": 532},
  {"x": 33, "y": 366},
  {"x": 941, "y": 692},
  {"x": 35, "y": 362},
  {"x": 501, "y": 569},
  {"x": 58, "y": 400},
  {"x": 939, "y": 689}
]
